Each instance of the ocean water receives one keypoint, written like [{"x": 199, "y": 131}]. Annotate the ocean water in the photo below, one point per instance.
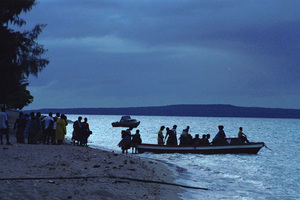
[{"x": 271, "y": 174}]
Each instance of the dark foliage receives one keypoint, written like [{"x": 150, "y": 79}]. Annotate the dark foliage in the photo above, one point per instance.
[{"x": 20, "y": 54}]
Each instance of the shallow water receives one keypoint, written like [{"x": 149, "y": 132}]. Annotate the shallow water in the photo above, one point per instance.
[{"x": 271, "y": 174}]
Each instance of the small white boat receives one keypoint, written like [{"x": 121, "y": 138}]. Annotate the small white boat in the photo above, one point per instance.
[{"x": 126, "y": 121}]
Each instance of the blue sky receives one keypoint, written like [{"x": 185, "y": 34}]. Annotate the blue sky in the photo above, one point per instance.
[{"x": 150, "y": 53}]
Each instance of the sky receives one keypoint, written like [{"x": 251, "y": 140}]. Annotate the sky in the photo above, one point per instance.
[{"x": 133, "y": 53}]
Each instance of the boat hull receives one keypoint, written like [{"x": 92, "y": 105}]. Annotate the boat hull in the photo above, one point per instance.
[
  {"x": 251, "y": 148},
  {"x": 129, "y": 125}
]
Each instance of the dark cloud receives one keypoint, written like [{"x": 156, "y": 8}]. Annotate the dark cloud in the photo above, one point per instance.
[{"x": 140, "y": 53}]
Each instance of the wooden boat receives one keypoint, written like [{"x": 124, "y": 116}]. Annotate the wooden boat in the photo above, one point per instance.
[
  {"x": 229, "y": 148},
  {"x": 126, "y": 121}
]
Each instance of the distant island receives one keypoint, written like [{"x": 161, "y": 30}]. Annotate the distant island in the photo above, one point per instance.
[{"x": 214, "y": 110}]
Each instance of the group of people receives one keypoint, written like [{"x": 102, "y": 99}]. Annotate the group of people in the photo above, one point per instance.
[
  {"x": 187, "y": 139},
  {"x": 220, "y": 138},
  {"x": 128, "y": 140},
  {"x": 170, "y": 138},
  {"x": 41, "y": 129},
  {"x": 48, "y": 129},
  {"x": 184, "y": 139},
  {"x": 36, "y": 128},
  {"x": 81, "y": 132}
]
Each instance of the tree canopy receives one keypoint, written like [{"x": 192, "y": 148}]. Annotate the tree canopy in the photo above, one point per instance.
[{"x": 20, "y": 54}]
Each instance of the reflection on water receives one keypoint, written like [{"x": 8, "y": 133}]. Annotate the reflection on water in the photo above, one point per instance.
[{"x": 271, "y": 174}]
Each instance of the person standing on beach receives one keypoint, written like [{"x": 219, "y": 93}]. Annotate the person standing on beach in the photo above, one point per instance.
[
  {"x": 31, "y": 129},
  {"x": 53, "y": 141},
  {"x": 48, "y": 121},
  {"x": 160, "y": 135},
  {"x": 77, "y": 132},
  {"x": 136, "y": 140},
  {"x": 38, "y": 134},
  {"x": 61, "y": 129},
  {"x": 86, "y": 131},
  {"x": 20, "y": 125},
  {"x": 4, "y": 127}
]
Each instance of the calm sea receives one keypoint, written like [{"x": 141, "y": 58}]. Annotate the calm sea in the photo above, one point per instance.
[{"x": 271, "y": 174}]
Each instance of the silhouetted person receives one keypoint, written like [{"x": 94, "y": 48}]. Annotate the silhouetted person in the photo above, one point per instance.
[
  {"x": 125, "y": 142},
  {"x": 32, "y": 129},
  {"x": 77, "y": 133},
  {"x": 242, "y": 137},
  {"x": 48, "y": 128},
  {"x": 220, "y": 137},
  {"x": 86, "y": 131},
  {"x": 4, "y": 127},
  {"x": 175, "y": 133},
  {"x": 38, "y": 133},
  {"x": 61, "y": 129},
  {"x": 57, "y": 116},
  {"x": 206, "y": 139},
  {"x": 136, "y": 140},
  {"x": 160, "y": 135},
  {"x": 196, "y": 140},
  {"x": 20, "y": 125},
  {"x": 183, "y": 138},
  {"x": 171, "y": 137},
  {"x": 187, "y": 129}
]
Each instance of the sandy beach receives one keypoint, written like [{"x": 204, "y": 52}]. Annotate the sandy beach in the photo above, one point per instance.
[{"x": 29, "y": 171}]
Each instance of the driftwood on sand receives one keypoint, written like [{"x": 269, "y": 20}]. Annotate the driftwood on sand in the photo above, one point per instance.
[{"x": 41, "y": 171}]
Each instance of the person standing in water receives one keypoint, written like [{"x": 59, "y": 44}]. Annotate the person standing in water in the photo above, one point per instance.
[{"x": 160, "y": 135}]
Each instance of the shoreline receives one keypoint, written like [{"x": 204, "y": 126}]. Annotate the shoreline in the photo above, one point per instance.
[{"x": 30, "y": 171}]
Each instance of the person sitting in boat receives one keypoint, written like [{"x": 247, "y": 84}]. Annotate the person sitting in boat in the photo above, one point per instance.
[
  {"x": 160, "y": 135},
  {"x": 196, "y": 140},
  {"x": 220, "y": 138},
  {"x": 185, "y": 137},
  {"x": 189, "y": 139},
  {"x": 136, "y": 139},
  {"x": 206, "y": 139},
  {"x": 242, "y": 137},
  {"x": 171, "y": 137},
  {"x": 184, "y": 140},
  {"x": 187, "y": 129},
  {"x": 202, "y": 139}
]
